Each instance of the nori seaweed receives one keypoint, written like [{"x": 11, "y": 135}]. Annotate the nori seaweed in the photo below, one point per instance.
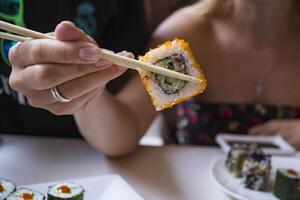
[
  {"x": 286, "y": 188},
  {"x": 77, "y": 197}
]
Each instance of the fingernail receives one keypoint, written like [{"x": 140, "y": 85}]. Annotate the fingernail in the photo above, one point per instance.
[
  {"x": 127, "y": 54},
  {"x": 103, "y": 63},
  {"x": 69, "y": 22},
  {"x": 89, "y": 53},
  {"x": 131, "y": 55}
]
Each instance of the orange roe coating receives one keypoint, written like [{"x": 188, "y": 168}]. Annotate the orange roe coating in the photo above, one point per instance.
[
  {"x": 65, "y": 189},
  {"x": 145, "y": 78},
  {"x": 27, "y": 196}
]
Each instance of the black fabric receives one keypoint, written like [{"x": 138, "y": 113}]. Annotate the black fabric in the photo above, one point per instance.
[{"x": 120, "y": 26}]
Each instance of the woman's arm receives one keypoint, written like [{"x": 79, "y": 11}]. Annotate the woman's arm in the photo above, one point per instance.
[{"x": 115, "y": 124}]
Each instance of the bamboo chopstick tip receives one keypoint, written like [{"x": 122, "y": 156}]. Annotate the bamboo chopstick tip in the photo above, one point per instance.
[{"x": 196, "y": 80}]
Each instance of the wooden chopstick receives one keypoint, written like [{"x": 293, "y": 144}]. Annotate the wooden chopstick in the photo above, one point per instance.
[
  {"x": 23, "y": 31},
  {"x": 12, "y": 37},
  {"x": 115, "y": 58}
]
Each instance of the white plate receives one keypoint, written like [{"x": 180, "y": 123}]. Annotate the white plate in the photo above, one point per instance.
[
  {"x": 234, "y": 186},
  {"x": 108, "y": 187}
]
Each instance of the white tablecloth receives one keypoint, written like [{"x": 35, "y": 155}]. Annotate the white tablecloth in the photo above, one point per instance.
[{"x": 157, "y": 173}]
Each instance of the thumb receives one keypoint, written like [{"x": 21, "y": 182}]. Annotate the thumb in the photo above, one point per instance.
[{"x": 67, "y": 31}]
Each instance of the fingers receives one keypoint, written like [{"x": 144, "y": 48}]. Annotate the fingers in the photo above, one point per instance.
[
  {"x": 77, "y": 87},
  {"x": 39, "y": 51},
  {"x": 291, "y": 135},
  {"x": 41, "y": 95},
  {"x": 295, "y": 142},
  {"x": 41, "y": 77},
  {"x": 33, "y": 52},
  {"x": 74, "y": 88},
  {"x": 72, "y": 106},
  {"x": 289, "y": 130},
  {"x": 268, "y": 128},
  {"x": 67, "y": 31},
  {"x": 74, "y": 82}
]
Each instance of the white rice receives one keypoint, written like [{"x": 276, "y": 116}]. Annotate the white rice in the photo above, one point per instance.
[
  {"x": 16, "y": 195},
  {"x": 75, "y": 190}
]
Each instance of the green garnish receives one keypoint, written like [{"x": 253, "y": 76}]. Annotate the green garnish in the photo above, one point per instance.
[{"x": 176, "y": 63}]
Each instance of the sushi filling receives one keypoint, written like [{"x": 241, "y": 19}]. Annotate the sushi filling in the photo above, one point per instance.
[
  {"x": 1, "y": 188},
  {"x": 292, "y": 173},
  {"x": 176, "y": 63},
  {"x": 26, "y": 194},
  {"x": 65, "y": 190}
]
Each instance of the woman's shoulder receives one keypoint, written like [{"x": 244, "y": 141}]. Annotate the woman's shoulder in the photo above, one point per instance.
[{"x": 186, "y": 24}]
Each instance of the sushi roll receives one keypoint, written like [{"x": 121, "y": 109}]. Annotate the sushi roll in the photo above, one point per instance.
[
  {"x": 287, "y": 184},
  {"x": 6, "y": 188},
  {"x": 236, "y": 158},
  {"x": 256, "y": 171},
  {"x": 69, "y": 191},
  {"x": 26, "y": 194},
  {"x": 165, "y": 92}
]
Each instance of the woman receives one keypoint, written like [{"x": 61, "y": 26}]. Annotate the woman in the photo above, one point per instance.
[
  {"x": 249, "y": 53},
  {"x": 248, "y": 50},
  {"x": 116, "y": 25}
]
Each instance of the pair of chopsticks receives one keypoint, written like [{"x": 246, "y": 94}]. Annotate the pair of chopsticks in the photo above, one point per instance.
[{"x": 108, "y": 55}]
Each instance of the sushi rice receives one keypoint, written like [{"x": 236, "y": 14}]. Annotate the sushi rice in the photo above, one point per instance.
[
  {"x": 67, "y": 190},
  {"x": 6, "y": 188},
  {"x": 26, "y": 194},
  {"x": 256, "y": 171}
]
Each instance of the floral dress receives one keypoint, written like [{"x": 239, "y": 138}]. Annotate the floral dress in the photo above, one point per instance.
[{"x": 198, "y": 123}]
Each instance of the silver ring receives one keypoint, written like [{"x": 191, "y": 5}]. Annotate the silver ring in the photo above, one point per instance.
[{"x": 57, "y": 96}]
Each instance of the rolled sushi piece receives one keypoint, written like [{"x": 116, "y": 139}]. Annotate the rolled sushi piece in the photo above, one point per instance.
[
  {"x": 165, "y": 92},
  {"x": 236, "y": 158},
  {"x": 68, "y": 190},
  {"x": 6, "y": 188},
  {"x": 287, "y": 184},
  {"x": 26, "y": 194},
  {"x": 256, "y": 171}
]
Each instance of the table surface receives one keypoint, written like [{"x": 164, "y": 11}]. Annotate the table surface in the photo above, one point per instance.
[{"x": 160, "y": 173}]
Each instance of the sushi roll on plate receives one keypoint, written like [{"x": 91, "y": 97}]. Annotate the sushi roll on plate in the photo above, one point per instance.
[
  {"x": 256, "y": 171},
  {"x": 165, "y": 92},
  {"x": 68, "y": 190},
  {"x": 6, "y": 188},
  {"x": 236, "y": 158},
  {"x": 287, "y": 184},
  {"x": 26, "y": 194}
]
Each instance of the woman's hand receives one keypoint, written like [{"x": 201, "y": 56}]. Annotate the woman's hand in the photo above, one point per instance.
[
  {"x": 72, "y": 63},
  {"x": 289, "y": 129}
]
